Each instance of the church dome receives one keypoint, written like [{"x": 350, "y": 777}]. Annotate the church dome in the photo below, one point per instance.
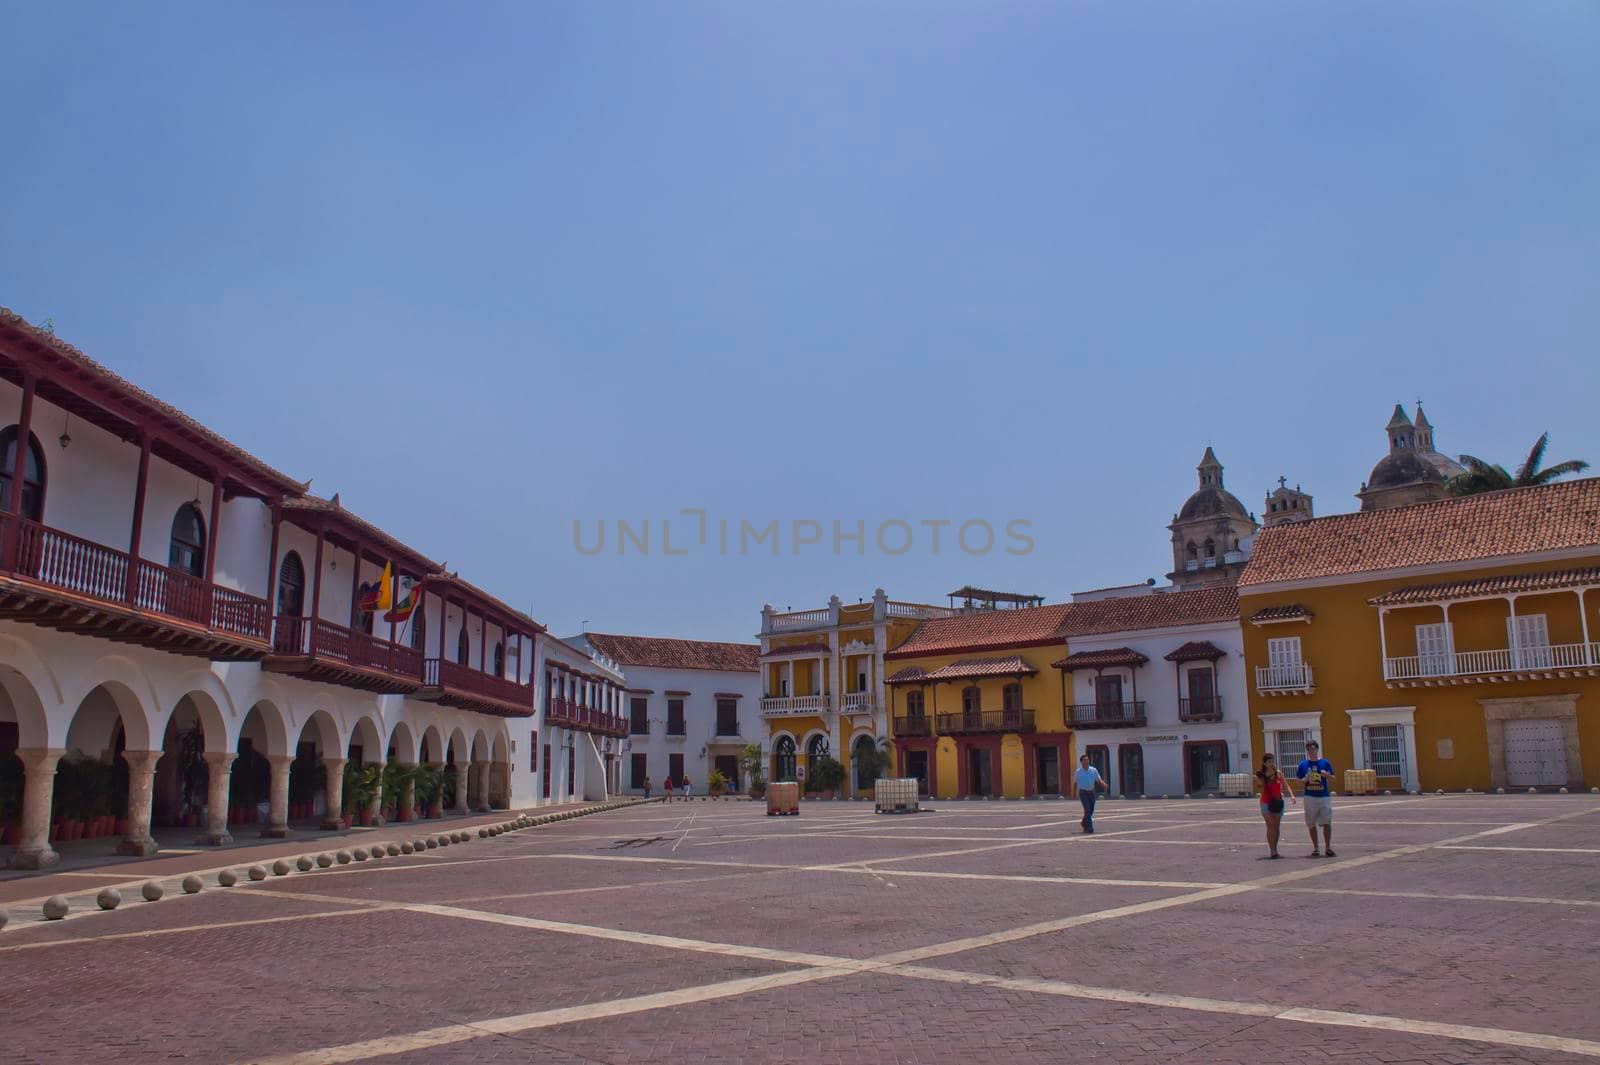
[
  {"x": 1212, "y": 500},
  {"x": 1412, "y": 467}
]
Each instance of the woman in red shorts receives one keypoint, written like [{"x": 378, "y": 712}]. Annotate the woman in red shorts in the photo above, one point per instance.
[{"x": 1274, "y": 790}]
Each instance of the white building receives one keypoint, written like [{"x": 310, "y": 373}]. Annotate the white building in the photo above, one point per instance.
[
  {"x": 184, "y": 637},
  {"x": 1156, "y": 694},
  {"x": 583, "y": 723},
  {"x": 692, "y": 707}
]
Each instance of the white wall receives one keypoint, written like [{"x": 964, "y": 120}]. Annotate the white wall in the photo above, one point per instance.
[{"x": 700, "y": 720}]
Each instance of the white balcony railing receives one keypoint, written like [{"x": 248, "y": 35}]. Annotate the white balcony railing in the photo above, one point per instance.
[
  {"x": 1495, "y": 660},
  {"x": 1292, "y": 678},
  {"x": 779, "y": 705},
  {"x": 802, "y": 619},
  {"x": 860, "y": 703},
  {"x": 918, "y": 610}
]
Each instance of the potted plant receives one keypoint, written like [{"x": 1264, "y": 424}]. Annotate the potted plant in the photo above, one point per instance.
[
  {"x": 396, "y": 777},
  {"x": 427, "y": 787},
  {"x": 752, "y": 762},
  {"x": 716, "y": 783},
  {"x": 823, "y": 775}
]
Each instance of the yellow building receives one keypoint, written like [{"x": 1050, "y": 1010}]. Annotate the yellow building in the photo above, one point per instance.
[
  {"x": 823, "y": 682},
  {"x": 975, "y": 706},
  {"x": 1447, "y": 644}
]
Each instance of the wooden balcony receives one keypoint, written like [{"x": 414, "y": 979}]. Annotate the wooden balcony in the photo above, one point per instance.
[
  {"x": 976, "y": 721},
  {"x": 1107, "y": 715},
  {"x": 914, "y": 725},
  {"x": 61, "y": 581},
  {"x": 562, "y": 713},
  {"x": 453, "y": 684},
  {"x": 1208, "y": 708},
  {"x": 320, "y": 650}
]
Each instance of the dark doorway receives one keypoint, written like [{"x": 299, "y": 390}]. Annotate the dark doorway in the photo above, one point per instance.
[
  {"x": 728, "y": 766},
  {"x": 572, "y": 771},
  {"x": 978, "y": 779},
  {"x": 1047, "y": 780},
  {"x": 1204, "y": 763},
  {"x": 675, "y": 769},
  {"x": 1100, "y": 757},
  {"x": 636, "y": 771},
  {"x": 1130, "y": 769},
  {"x": 917, "y": 766}
]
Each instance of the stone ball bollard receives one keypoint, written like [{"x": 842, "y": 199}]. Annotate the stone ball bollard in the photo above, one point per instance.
[
  {"x": 431, "y": 842},
  {"x": 1563, "y": 791},
  {"x": 1533, "y": 791},
  {"x": 324, "y": 860},
  {"x": 257, "y": 872},
  {"x": 192, "y": 884},
  {"x": 1499, "y": 791},
  {"x": 442, "y": 840},
  {"x": 108, "y": 899},
  {"x": 406, "y": 847},
  {"x": 359, "y": 854},
  {"x": 152, "y": 891},
  {"x": 55, "y": 908},
  {"x": 227, "y": 878},
  {"x": 281, "y": 867},
  {"x": 419, "y": 845},
  {"x": 376, "y": 851},
  {"x": 304, "y": 863},
  {"x": 393, "y": 849},
  {"x": 483, "y": 833},
  {"x": 343, "y": 858}
]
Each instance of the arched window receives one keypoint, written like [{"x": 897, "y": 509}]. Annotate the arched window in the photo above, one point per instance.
[
  {"x": 32, "y": 474},
  {"x": 291, "y": 585},
  {"x": 783, "y": 759},
  {"x": 864, "y": 760},
  {"x": 499, "y": 657},
  {"x": 1211, "y": 548},
  {"x": 419, "y": 629},
  {"x": 188, "y": 551},
  {"x": 463, "y": 645},
  {"x": 817, "y": 747},
  {"x": 914, "y": 704},
  {"x": 1192, "y": 553}
]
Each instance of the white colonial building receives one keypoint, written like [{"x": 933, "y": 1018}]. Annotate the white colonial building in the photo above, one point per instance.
[
  {"x": 1155, "y": 687},
  {"x": 188, "y": 637},
  {"x": 693, "y": 706}
]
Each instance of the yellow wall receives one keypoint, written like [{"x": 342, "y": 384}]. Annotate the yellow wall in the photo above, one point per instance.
[{"x": 1341, "y": 644}]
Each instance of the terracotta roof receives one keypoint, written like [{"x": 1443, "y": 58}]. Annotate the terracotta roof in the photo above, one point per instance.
[
  {"x": 180, "y": 424},
  {"x": 1515, "y": 521},
  {"x": 1009, "y": 666},
  {"x": 663, "y": 652},
  {"x": 1112, "y": 656},
  {"x": 1160, "y": 610},
  {"x": 1194, "y": 651},
  {"x": 984, "y": 629},
  {"x": 1291, "y": 612},
  {"x": 1553, "y": 581},
  {"x": 372, "y": 537},
  {"x": 789, "y": 650},
  {"x": 906, "y": 675}
]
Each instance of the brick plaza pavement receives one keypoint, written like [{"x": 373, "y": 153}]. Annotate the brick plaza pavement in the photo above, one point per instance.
[{"x": 1449, "y": 929}]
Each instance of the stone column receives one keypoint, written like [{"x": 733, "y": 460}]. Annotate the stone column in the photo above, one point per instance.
[
  {"x": 405, "y": 801},
  {"x": 38, "y": 793},
  {"x": 438, "y": 796},
  {"x": 496, "y": 785},
  {"x": 461, "y": 787},
  {"x": 475, "y": 780},
  {"x": 377, "y": 800},
  {"x": 141, "y": 787},
  {"x": 219, "y": 765},
  {"x": 278, "y": 797},
  {"x": 333, "y": 793}
]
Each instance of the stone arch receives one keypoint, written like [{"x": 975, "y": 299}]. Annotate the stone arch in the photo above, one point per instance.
[
  {"x": 194, "y": 727},
  {"x": 501, "y": 750},
  {"x": 809, "y": 744},
  {"x": 863, "y": 743},
  {"x": 432, "y": 747},
  {"x": 103, "y": 708},
  {"x": 403, "y": 741},
  {"x": 367, "y": 735},
  {"x": 784, "y": 757},
  {"x": 21, "y": 701},
  {"x": 321, "y": 728},
  {"x": 480, "y": 746},
  {"x": 458, "y": 751},
  {"x": 267, "y": 729},
  {"x": 199, "y": 704},
  {"x": 132, "y": 689}
]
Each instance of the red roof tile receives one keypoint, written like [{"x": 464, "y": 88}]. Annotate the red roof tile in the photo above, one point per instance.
[
  {"x": 1009, "y": 666},
  {"x": 1290, "y": 612},
  {"x": 906, "y": 675},
  {"x": 1112, "y": 656},
  {"x": 1553, "y": 581},
  {"x": 1195, "y": 651},
  {"x": 1516, "y": 521},
  {"x": 662, "y": 652},
  {"x": 1158, "y": 610},
  {"x": 984, "y": 629}
]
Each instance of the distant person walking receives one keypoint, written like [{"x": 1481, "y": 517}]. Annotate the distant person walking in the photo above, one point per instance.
[
  {"x": 666, "y": 787},
  {"x": 685, "y": 783},
  {"x": 1273, "y": 791},
  {"x": 1089, "y": 782},
  {"x": 1317, "y": 772},
  {"x": 647, "y": 785}
]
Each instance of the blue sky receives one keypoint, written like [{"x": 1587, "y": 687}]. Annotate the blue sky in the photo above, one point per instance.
[{"x": 492, "y": 269}]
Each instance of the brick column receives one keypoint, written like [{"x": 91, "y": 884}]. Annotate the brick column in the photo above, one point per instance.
[
  {"x": 141, "y": 788},
  {"x": 333, "y": 793},
  {"x": 219, "y": 765},
  {"x": 38, "y": 793},
  {"x": 278, "y": 797}
]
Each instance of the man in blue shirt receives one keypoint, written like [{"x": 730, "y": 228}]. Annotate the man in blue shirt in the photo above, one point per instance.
[
  {"x": 1088, "y": 781},
  {"x": 1317, "y": 772}
]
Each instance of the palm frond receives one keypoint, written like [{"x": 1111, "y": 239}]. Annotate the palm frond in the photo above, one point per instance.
[
  {"x": 1528, "y": 471},
  {"x": 1560, "y": 469}
]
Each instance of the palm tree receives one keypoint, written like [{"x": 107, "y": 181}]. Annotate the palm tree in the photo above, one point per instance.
[{"x": 1481, "y": 476}]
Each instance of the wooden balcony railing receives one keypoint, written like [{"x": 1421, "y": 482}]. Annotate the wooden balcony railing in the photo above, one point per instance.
[
  {"x": 447, "y": 675},
  {"x": 1107, "y": 715},
  {"x": 1205, "y": 708},
  {"x": 72, "y": 564},
  {"x": 316, "y": 638},
  {"x": 913, "y": 725},
  {"x": 986, "y": 721}
]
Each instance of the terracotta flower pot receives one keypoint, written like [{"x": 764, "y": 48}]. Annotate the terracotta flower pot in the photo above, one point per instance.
[
  {"x": 121, "y": 826},
  {"x": 436, "y": 810},
  {"x": 365, "y": 817}
]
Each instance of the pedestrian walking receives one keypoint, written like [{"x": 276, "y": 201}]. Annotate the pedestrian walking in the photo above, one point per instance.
[
  {"x": 647, "y": 785},
  {"x": 1273, "y": 790},
  {"x": 666, "y": 787},
  {"x": 1089, "y": 782},
  {"x": 1317, "y": 772},
  {"x": 685, "y": 783}
]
